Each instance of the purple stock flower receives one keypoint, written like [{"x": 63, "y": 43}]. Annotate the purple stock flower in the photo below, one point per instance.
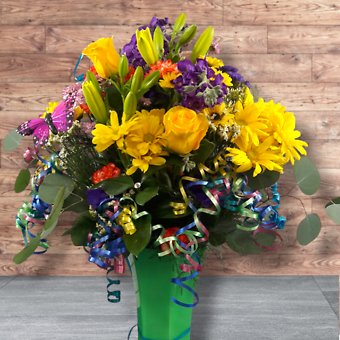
[
  {"x": 95, "y": 196},
  {"x": 234, "y": 75}
]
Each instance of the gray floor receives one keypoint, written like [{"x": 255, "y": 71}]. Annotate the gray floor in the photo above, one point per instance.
[{"x": 230, "y": 307}]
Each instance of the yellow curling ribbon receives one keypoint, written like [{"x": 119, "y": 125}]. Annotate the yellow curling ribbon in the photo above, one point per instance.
[{"x": 124, "y": 219}]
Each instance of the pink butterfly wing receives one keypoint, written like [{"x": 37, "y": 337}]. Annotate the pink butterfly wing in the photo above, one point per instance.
[{"x": 62, "y": 117}]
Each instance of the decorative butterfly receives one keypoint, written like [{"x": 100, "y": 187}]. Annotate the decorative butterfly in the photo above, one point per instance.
[{"x": 59, "y": 121}]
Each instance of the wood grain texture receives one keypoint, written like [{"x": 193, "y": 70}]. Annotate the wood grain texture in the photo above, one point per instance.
[
  {"x": 321, "y": 124},
  {"x": 303, "y": 39},
  {"x": 326, "y": 68},
  {"x": 262, "y": 67},
  {"x": 28, "y": 68},
  {"x": 119, "y": 12},
  {"x": 22, "y": 39},
  {"x": 281, "y": 12},
  {"x": 29, "y": 96},
  {"x": 303, "y": 96},
  {"x": 232, "y": 39}
]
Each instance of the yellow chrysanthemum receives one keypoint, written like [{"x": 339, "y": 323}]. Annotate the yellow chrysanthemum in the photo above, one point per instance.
[
  {"x": 260, "y": 157},
  {"x": 105, "y": 136},
  {"x": 167, "y": 77},
  {"x": 51, "y": 107},
  {"x": 251, "y": 125},
  {"x": 146, "y": 135},
  {"x": 249, "y": 99},
  {"x": 219, "y": 115},
  {"x": 214, "y": 62},
  {"x": 78, "y": 111},
  {"x": 143, "y": 162},
  {"x": 226, "y": 78}
]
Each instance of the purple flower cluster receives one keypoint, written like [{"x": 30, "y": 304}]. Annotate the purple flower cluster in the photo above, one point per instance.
[
  {"x": 199, "y": 92},
  {"x": 95, "y": 197},
  {"x": 131, "y": 50},
  {"x": 234, "y": 75}
]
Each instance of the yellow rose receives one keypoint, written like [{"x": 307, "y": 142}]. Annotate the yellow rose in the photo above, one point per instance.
[
  {"x": 104, "y": 56},
  {"x": 184, "y": 129}
]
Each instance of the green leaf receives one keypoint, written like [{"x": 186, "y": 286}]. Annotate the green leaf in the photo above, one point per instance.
[
  {"x": 203, "y": 152},
  {"x": 171, "y": 160},
  {"x": 22, "y": 180},
  {"x": 307, "y": 176},
  {"x": 224, "y": 225},
  {"x": 333, "y": 210},
  {"x": 116, "y": 185},
  {"x": 49, "y": 189},
  {"x": 28, "y": 250},
  {"x": 77, "y": 201},
  {"x": 11, "y": 141},
  {"x": 242, "y": 242},
  {"x": 115, "y": 99},
  {"x": 163, "y": 210},
  {"x": 52, "y": 220},
  {"x": 309, "y": 228},
  {"x": 83, "y": 225},
  {"x": 136, "y": 242},
  {"x": 146, "y": 195},
  {"x": 263, "y": 180}
]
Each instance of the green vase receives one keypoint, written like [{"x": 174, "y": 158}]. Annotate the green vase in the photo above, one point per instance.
[{"x": 159, "y": 318}]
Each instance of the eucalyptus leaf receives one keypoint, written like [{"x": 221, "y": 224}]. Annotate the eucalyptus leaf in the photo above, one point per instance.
[
  {"x": 77, "y": 201},
  {"x": 136, "y": 242},
  {"x": 242, "y": 242},
  {"x": 49, "y": 189},
  {"x": 22, "y": 180},
  {"x": 146, "y": 195},
  {"x": 220, "y": 230},
  {"x": 28, "y": 250},
  {"x": 11, "y": 141},
  {"x": 309, "y": 229},
  {"x": 263, "y": 180},
  {"x": 203, "y": 152},
  {"x": 116, "y": 185},
  {"x": 333, "y": 210},
  {"x": 307, "y": 176},
  {"x": 83, "y": 225},
  {"x": 52, "y": 220}
]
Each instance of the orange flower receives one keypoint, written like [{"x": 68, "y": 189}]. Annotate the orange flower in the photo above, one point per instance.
[{"x": 164, "y": 67}]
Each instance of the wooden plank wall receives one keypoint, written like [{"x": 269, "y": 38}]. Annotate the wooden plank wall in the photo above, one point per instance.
[{"x": 290, "y": 49}]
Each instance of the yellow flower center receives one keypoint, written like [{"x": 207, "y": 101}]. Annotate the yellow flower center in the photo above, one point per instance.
[
  {"x": 252, "y": 155},
  {"x": 148, "y": 138}
]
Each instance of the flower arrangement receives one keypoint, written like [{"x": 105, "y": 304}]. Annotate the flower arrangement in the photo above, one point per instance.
[{"x": 161, "y": 148}]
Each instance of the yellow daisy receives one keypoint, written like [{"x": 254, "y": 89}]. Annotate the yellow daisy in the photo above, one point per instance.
[
  {"x": 105, "y": 136},
  {"x": 167, "y": 77},
  {"x": 251, "y": 125},
  {"x": 219, "y": 115},
  {"x": 51, "y": 107},
  {"x": 214, "y": 62},
  {"x": 260, "y": 157}
]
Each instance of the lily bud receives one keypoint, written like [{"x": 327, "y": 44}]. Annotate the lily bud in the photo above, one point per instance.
[
  {"x": 91, "y": 78},
  {"x": 188, "y": 35},
  {"x": 158, "y": 41},
  {"x": 130, "y": 105},
  {"x": 202, "y": 44},
  {"x": 137, "y": 79},
  {"x": 123, "y": 67},
  {"x": 95, "y": 102},
  {"x": 146, "y": 46},
  {"x": 150, "y": 80},
  {"x": 180, "y": 22}
]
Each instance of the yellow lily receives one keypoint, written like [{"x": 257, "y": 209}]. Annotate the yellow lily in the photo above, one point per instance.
[{"x": 146, "y": 46}]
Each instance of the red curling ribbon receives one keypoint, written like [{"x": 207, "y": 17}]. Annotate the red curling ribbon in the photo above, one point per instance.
[
  {"x": 264, "y": 230},
  {"x": 119, "y": 266}
]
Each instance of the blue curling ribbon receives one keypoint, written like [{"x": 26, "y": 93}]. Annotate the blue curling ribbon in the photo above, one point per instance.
[
  {"x": 276, "y": 198},
  {"x": 82, "y": 76},
  {"x": 143, "y": 338}
]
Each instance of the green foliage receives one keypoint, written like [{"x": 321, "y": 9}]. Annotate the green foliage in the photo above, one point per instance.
[
  {"x": 22, "y": 180},
  {"x": 136, "y": 242},
  {"x": 83, "y": 225},
  {"x": 333, "y": 210},
  {"x": 116, "y": 185},
  {"x": 28, "y": 250},
  {"x": 307, "y": 176},
  {"x": 52, "y": 184},
  {"x": 309, "y": 229},
  {"x": 161, "y": 209},
  {"x": 203, "y": 152},
  {"x": 146, "y": 195},
  {"x": 77, "y": 201},
  {"x": 243, "y": 242},
  {"x": 115, "y": 99},
  {"x": 11, "y": 141},
  {"x": 263, "y": 180},
  {"x": 52, "y": 220}
]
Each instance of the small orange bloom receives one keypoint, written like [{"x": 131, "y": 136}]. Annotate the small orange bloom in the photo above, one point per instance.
[{"x": 164, "y": 67}]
